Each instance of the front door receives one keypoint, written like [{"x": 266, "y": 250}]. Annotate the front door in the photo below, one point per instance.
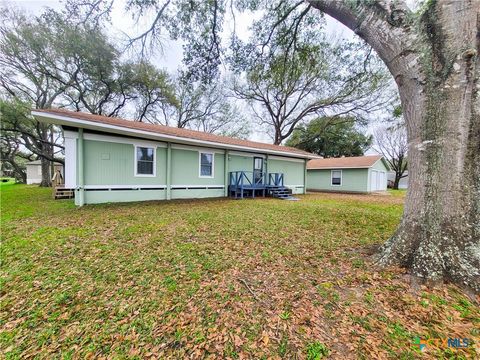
[{"x": 258, "y": 170}]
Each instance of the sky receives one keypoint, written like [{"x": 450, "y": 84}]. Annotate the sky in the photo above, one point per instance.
[
  {"x": 171, "y": 56},
  {"x": 123, "y": 23}
]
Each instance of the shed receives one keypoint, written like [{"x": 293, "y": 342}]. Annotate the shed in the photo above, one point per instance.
[
  {"x": 356, "y": 174},
  {"x": 34, "y": 171}
]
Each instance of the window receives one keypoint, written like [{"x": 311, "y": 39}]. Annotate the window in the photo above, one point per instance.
[
  {"x": 336, "y": 177},
  {"x": 206, "y": 164},
  {"x": 145, "y": 161}
]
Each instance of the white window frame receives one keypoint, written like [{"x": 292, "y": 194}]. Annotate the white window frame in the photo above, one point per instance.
[
  {"x": 135, "y": 161},
  {"x": 331, "y": 178},
  {"x": 200, "y": 164}
]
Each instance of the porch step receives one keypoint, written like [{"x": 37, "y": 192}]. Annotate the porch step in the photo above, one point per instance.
[
  {"x": 280, "y": 192},
  {"x": 63, "y": 193}
]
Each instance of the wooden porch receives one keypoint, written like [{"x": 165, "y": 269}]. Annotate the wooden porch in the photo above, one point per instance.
[{"x": 253, "y": 183}]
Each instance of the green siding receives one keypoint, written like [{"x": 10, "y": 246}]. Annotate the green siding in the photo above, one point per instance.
[
  {"x": 240, "y": 163},
  {"x": 379, "y": 165},
  {"x": 108, "y": 163},
  {"x": 293, "y": 171},
  {"x": 185, "y": 169},
  {"x": 354, "y": 180}
]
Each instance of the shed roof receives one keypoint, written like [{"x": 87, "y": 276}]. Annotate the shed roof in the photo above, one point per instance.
[
  {"x": 39, "y": 162},
  {"x": 344, "y": 162},
  {"x": 146, "y": 130}
]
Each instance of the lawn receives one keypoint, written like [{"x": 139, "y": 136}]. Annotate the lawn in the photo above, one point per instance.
[{"x": 217, "y": 278}]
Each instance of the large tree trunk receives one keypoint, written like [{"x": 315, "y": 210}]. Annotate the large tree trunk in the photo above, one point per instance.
[
  {"x": 434, "y": 60},
  {"x": 45, "y": 166},
  {"x": 47, "y": 152},
  {"x": 396, "y": 181}
]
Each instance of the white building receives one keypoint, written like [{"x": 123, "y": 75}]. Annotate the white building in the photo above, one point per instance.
[{"x": 34, "y": 171}]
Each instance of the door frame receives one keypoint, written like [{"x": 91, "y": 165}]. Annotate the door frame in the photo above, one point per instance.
[{"x": 255, "y": 170}]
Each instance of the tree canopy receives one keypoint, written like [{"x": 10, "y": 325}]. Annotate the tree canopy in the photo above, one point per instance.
[{"x": 331, "y": 137}]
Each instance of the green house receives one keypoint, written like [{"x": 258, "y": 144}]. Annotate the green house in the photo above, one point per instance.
[
  {"x": 356, "y": 174},
  {"x": 115, "y": 160}
]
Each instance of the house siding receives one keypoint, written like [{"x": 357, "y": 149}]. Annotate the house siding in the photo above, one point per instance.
[
  {"x": 109, "y": 172},
  {"x": 185, "y": 168},
  {"x": 108, "y": 163},
  {"x": 353, "y": 180},
  {"x": 293, "y": 173}
]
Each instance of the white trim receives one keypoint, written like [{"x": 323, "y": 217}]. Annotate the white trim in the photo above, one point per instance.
[
  {"x": 122, "y": 140},
  {"x": 281, "y": 158},
  {"x": 70, "y": 170},
  {"x": 66, "y": 120},
  {"x": 197, "y": 148},
  {"x": 135, "y": 162},
  {"x": 331, "y": 177},
  {"x": 67, "y": 134},
  {"x": 246, "y": 154},
  {"x": 176, "y": 187},
  {"x": 200, "y": 165},
  {"x": 296, "y": 186},
  {"x": 136, "y": 186}
]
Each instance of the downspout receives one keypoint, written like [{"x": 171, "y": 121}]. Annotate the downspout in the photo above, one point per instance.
[
  {"x": 226, "y": 179},
  {"x": 169, "y": 171},
  {"x": 81, "y": 179}
]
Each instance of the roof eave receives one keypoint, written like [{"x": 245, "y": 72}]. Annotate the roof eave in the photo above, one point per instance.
[
  {"x": 56, "y": 119},
  {"x": 340, "y": 167}
]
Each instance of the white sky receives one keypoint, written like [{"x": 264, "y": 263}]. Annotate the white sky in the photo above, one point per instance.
[{"x": 123, "y": 23}]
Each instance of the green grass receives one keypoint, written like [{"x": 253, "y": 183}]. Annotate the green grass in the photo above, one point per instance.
[
  {"x": 7, "y": 181},
  {"x": 232, "y": 279},
  {"x": 397, "y": 193}
]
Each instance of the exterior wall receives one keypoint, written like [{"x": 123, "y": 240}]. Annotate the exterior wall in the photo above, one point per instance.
[
  {"x": 186, "y": 180},
  {"x": 108, "y": 163},
  {"x": 353, "y": 180},
  {"x": 109, "y": 170},
  {"x": 242, "y": 162},
  {"x": 380, "y": 167},
  {"x": 34, "y": 174},
  {"x": 70, "y": 143},
  {"x": 186, "y": 168},
  {"x": 103, "y": 196},
  {"x": 293, "y": 172}
]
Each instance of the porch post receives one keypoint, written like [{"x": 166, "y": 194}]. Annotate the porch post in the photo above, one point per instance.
[
  {"x": 169, "y": 171},
  {"x": 81, "y": 179},
  {"x": 225, "y": 166},
  {"x": 305, "y": 177},
  {"x": 265, "y": 170}
]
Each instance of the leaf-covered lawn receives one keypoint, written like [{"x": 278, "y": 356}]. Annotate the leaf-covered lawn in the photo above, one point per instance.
[{"x": 217, "y": 278}]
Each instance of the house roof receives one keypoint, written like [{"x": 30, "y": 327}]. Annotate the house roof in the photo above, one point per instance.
[
  {"x": 159, "y": 132},
  {"x": 344, "y": 162}
]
